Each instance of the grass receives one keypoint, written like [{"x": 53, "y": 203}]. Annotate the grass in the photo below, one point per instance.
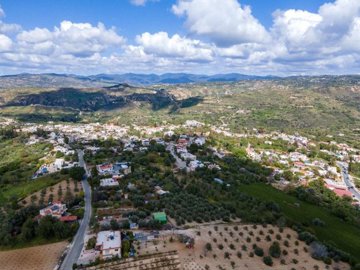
[
  {"x": 29, "y": 187},
  {"x": 18, "y": 167},
  {"x": 345, "y": 236}
]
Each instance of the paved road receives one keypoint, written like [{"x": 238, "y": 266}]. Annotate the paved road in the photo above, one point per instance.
[
  {"x": 78, "y": 241},
  {"x": 346, "y": 177},
  {"x": 179, "y": 162}
]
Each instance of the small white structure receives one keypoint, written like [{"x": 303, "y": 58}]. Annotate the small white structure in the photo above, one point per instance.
[
  {"x": 59, "y": 163},
  {"x": 109, "y": 244},
  {"x": 200, "y": 141},
  {"x": 108, "y": 182}
]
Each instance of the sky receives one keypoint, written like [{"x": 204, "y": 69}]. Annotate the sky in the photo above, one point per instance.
[{"x": 278, "y": 37}]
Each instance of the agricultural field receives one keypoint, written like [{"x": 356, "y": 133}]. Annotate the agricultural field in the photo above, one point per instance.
[
  {"x": 44, "y": 257},
  {"x": 342, "y": 234},
  {"x": 239, "y": 246},
  {"x": 56, "y": 192}
]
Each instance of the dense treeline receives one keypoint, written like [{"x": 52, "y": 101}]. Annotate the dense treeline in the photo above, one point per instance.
[{"x": 20, "y": 227}]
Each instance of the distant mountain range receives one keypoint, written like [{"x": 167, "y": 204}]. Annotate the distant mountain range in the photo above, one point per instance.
[
  {"x": 50, "y": 80},
  {"x": 174, "y": 78}
]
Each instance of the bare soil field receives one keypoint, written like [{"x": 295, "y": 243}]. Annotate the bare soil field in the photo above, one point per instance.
[
  {"x": 43, "y": 257},
  {"x": 74, "y": 187},
  {"x": 233, "y": 247},
  {"x": 159, "y": 261}
]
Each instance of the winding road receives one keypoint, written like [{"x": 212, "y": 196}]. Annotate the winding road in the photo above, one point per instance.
[
  {"x": 346, "y": 177},
  {"x": 74, "y": 250}
]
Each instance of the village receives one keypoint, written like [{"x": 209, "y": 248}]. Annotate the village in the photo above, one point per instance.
[{"x": 119, "y": 230}]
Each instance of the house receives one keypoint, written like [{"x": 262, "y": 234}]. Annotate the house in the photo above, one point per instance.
[
  {"x": 187, "y": 156},
  {"x": 108, "y": 182},
  {"x": 160, "y": 216},
  {"x": 194, "y": 164},
  {"x": 109, "y": 244},
  {"x": 105, "y": 169},
  {"x": 68, "y": 219},
  {"x": 56, "y": 209},
  {"x": 339, "y": 191},
  {"x": 59, "y": 163},
  {"x": 160, "y": 191}
]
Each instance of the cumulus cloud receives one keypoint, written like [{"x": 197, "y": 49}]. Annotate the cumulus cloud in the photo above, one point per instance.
[
  {"x": 222, "y": 36},
  {"x": 160, "y": 44},
  {"x": 5, "y": 43},
  {"x": 225, "y": 22},
  {"x": 79, "y": 39}
]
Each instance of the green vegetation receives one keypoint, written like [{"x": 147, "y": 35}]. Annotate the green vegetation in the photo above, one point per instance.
[
  {"x": 18, "y": 167},
  {"x": 336, "y": 231},
  {"x": 354, "y": 168}
]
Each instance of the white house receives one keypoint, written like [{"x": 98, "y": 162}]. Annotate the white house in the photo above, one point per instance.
[
  {"x": 108, "y": 182},
  {"x": 56, "y": 209},
  {"x": 109, "y": 244}
]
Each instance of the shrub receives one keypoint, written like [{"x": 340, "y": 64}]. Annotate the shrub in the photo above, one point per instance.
[
  {"x": 259, "y": 252},
  {"x": 220, "y": 246},
  {"x": 306, "y": 237},
  {"x": 208, "y": 247},
  {"x": 327, "y": 260},
  {"x": 268, "y": 260},
  {"x": 275, "y": 250},
  {"x": 239, "y": 255}
]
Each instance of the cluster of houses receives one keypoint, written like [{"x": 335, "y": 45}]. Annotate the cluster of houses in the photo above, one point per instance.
[
  {"x": 192, "y": 163},
  {"x": 113, "y": 173},
  {"x": 59, "y": 146},
  {"x": 304, "y": 168}
]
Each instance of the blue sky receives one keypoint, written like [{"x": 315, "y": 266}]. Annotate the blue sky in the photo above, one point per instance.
[
  {"x": 280, "y": 37},
  {"x": 129, "y": 19}
]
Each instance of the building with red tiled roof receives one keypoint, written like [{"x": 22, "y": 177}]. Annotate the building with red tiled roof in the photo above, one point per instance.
[
  {"x": 68, "y": 218},
  {"x": 340, "y": 191}
]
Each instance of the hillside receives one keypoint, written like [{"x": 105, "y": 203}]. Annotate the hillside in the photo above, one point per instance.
[{"x": 315, "y": 105}]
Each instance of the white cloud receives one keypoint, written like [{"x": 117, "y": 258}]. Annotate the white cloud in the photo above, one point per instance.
[
  {"x": 138, "y": 2},
  {"x": 351, "y": 40},
  {"x": 141, "y": 2},
  {"x": 223, "y": 36},
  {"x": 80, "y": 39},
  {"x": 160, "y": 44},
  {"x": 295, "y": 27},
  {"x": 225, "y": 22},
  {"x": 5, "y": 43}
]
